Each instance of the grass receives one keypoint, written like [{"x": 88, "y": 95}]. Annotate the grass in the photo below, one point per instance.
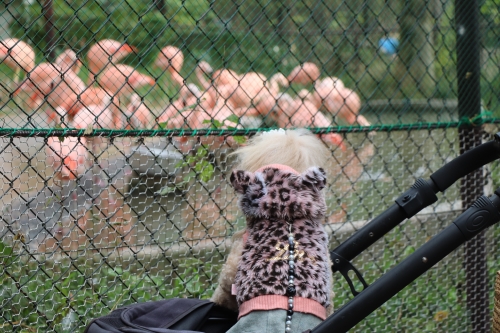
[
  {"x": 435, "y": 302},
  {"x": 64, "y": 296}
]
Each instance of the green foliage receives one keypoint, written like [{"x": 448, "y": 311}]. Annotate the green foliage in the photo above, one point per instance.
[
  {"x": 189, "y": 281},
  {"x": 232, "y": 119},
  {"x": 61, "y": 138},
  {"x": 267, "y": 37},
  {"x": 65, "y": 296},
  {"x": 200, "y": 168},
  {"x": 429, "y": 304},
  {"x": 490, "y": 10}
]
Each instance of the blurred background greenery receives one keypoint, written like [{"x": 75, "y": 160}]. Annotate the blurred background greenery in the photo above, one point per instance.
[{"x": 342, "y": 37}]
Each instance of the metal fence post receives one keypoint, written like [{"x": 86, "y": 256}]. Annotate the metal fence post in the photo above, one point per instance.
[{"x": 469, "y": 105}]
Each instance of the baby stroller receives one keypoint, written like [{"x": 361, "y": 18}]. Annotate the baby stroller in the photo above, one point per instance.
[{"x": 193, "y": 315}]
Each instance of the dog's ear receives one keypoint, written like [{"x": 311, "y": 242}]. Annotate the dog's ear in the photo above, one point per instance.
[
  {"x": 314, "y": 177},
  {"x": 240, "y": 180}
]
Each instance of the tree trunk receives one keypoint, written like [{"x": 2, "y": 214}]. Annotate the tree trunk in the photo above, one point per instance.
[
  {"x": 48, "y": 13},
  {"x": 160, "y": 6}
]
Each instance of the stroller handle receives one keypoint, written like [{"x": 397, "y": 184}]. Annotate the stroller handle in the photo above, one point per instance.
[
  {"x": 484, "y": 213},
  {"x": 419, "y": 196},
  {"x": 466, "y": 163}
]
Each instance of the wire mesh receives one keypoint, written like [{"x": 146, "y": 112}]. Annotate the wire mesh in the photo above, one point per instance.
[
  {"x": 496, "y": 313},
  {"x": 118, "y": 119}
]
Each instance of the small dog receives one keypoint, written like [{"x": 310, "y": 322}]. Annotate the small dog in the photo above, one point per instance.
[{"x": 279, "y": 266}]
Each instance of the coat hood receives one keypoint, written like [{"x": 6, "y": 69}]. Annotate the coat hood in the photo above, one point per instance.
[{"x": 280, "y": 193}]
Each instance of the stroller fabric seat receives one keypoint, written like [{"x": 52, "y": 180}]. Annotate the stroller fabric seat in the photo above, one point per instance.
[{"x": 176, "y": 315}]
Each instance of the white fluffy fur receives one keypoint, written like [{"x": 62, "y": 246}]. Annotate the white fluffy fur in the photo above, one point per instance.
[
  {"x": 296, "y": 148},
  {"x": 222, "y": 295}
]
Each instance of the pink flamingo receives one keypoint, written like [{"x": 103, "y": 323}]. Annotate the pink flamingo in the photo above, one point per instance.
[
  {"x": 331, "y": 94},
  {"x": 305, "y": 94},
  {"x": 139, "y": 114},
  {"x": 266, "y": 99},
  {"x": 68, "y": 156},
  {"x": 275, "y": 83},
  {"x": 203, "y": 118},
  {"x": 110, "y": 203},
  {"x": 263, "y": 102},
  {"x": 68, "y": 60},
  {"x": 291, "y": 112},
  {"x": 221, "y": 79},
  {"x": 197, "y": 117},
  {"x": 46, "y": 81},
  {"x": 240, "y": 90},
  {"x": 104, "y": 53},
  {"x": 225, "y": 76},
  {"x": 206, "y": 118},
  {"x": 171, "y": 59},
  {"x": 304, "y": 74},
  {"x": 97, "y": 114},
  {"x": 95, "y": 96},
  {"x": 18, "y": 55},
  {"x": 209, "y": 94},
  {"x": 249, "y": 89},
  {"x": 176, "y": 114},
  {"x": 123, "y": 80},
  {"x": 202, "y": 69}
]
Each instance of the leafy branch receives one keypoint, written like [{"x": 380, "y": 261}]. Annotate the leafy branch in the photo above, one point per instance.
[
  {"x": 232, "y": 119},
  {"x": 200, "y": 166}
]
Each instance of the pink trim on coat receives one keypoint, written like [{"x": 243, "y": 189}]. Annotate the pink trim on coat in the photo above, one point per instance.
[{"x": 274, "y": 302}]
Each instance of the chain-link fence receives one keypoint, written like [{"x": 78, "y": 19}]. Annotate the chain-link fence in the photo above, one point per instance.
[{"x": 119, "y": 117}]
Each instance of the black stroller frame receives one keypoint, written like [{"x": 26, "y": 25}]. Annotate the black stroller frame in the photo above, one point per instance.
[{"x": 483, "y": 213}]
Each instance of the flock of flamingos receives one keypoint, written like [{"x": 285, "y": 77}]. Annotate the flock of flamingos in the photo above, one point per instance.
[{"x": 69, "y": 102}]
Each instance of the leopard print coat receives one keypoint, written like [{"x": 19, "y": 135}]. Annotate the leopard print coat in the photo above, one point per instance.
[{"x": 270, "y": 200}]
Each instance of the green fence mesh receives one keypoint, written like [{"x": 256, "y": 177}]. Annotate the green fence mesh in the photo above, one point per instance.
[{"x": 117, "y": 120}]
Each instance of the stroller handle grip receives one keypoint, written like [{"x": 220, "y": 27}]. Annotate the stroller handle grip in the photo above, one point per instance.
[{"x": 466, "y": 163}]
